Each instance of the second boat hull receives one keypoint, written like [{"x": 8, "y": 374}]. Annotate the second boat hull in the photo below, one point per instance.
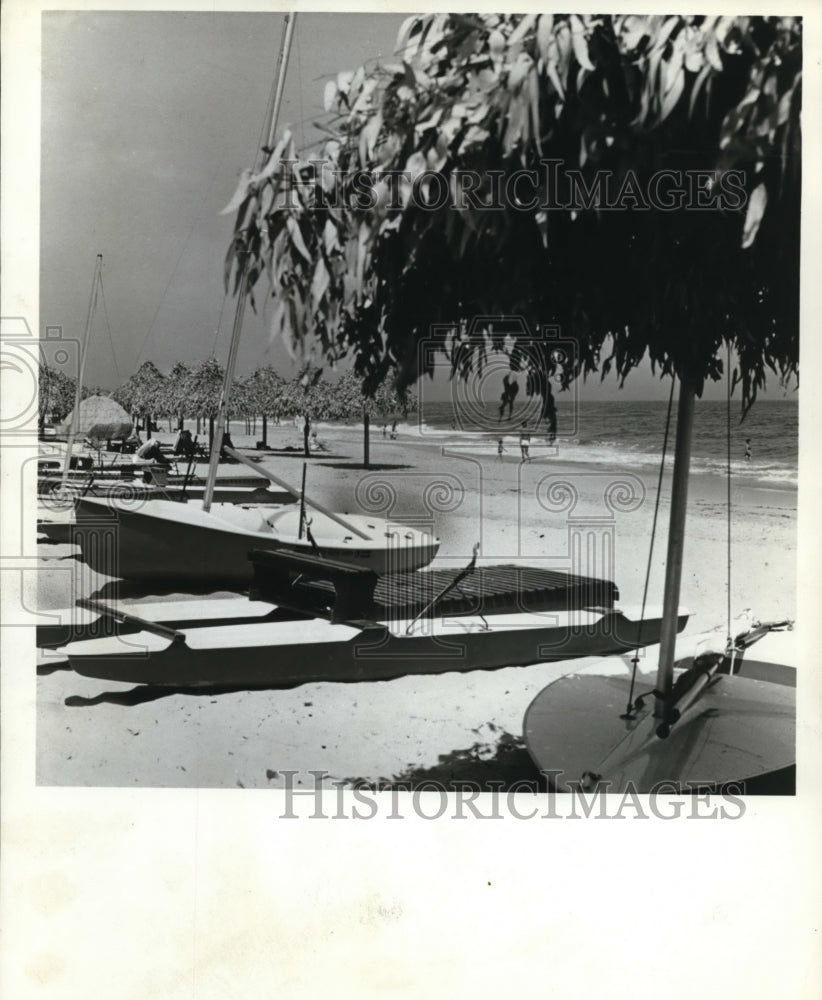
[{"x": 310, "y": 651}]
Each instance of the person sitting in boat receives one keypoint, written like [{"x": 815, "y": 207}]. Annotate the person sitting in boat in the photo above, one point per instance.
[
  {"x": 227, "y": 443},
  {"x": 314, "y": 443},
  {"x": 185, "y": 445},
  {"x": 151, "y": 451}
]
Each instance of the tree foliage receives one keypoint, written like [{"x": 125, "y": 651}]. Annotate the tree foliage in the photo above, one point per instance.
[
  {"x": 365, "y": 256},
  {"x": 144, "y": 393},
  {"x": 204, "y": 388},
  {"x": 261, "y": 393},
  {"x": 56, "y": 393},
  {"x": 351, "y": 400},
  {"x": 175, "y": 394}
]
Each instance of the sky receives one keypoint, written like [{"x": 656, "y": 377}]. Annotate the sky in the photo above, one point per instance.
[{"x": 148, "y": 120}]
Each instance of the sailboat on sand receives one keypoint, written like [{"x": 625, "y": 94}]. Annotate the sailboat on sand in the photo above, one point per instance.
[
  {"x": 716, "y": 715},
  {"x": 167, "y": 540}
]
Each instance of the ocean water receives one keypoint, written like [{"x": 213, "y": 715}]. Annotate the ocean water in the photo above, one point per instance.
[{"x": 616, "y": 432}]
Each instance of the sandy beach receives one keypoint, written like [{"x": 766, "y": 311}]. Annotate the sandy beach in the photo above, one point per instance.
[{"x": 453, "y": 726}]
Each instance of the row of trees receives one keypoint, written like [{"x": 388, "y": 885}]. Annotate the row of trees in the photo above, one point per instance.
[{"x": 194, "y": 393}]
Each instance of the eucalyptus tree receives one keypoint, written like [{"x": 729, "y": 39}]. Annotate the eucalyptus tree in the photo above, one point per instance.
[{"x": 633, "y": 181}]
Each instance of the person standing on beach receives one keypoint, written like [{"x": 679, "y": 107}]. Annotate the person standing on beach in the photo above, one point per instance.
[
  {"x": 500, "y": 449},
  {"x": 525, "y": 444},
  {"x": 747, "y": 449}
]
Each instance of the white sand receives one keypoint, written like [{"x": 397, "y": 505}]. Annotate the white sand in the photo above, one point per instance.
[{"x": 86, "y": 736}]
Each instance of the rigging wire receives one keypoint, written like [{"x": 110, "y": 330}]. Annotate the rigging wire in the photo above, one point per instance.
[
  {"x": 635, "y": 660},
  {"x": 301, "y": 119},
  {"x": 108, "y": 329},
  {"x": 197, "y": 216},
  {"x": 219, "y": 324}
]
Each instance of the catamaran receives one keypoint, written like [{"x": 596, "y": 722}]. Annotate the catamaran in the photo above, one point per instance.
[{"x": 316, "y": 619}]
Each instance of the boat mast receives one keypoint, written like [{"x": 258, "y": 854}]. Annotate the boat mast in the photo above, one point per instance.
[
  {"x": 676, "y": 545},
  {"x": 222, "y": 412},
  {"x": 75, "y": 417}
]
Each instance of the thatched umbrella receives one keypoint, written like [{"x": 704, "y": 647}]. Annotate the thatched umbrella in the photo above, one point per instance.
[{"x": 101, "y": 418}]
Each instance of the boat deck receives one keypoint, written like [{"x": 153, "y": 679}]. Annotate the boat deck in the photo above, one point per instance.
[{"x": 497, "y": 589}]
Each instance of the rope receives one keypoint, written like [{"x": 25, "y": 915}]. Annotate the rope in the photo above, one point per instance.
[{"x": 635, "y": 661}]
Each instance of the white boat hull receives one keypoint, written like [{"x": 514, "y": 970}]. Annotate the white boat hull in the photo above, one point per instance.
[
  {"x": 164, "y": 540},
  {"x": 741, "y": 731}
]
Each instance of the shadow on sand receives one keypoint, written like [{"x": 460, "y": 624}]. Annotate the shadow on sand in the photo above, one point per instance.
[
  {"x": 499, "y": 766},
  {"x": 371, "y": 467},
  {"x": 143, "y": 694}
]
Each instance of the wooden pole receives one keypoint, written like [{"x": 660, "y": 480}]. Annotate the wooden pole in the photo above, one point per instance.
[
  {"x": 78, "y": 395},
  {"x": 302, "y": 502},
  {"x": 282, "y": 66},
  {"x": 676, "y": 545}
]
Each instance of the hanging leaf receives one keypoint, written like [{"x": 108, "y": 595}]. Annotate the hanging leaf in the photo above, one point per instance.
[
  {"x": 545, "y": 34},
  {"x": 712, "y": 53},
  {"x": 518, "y": 34},
  {"x": 320, "y": 282},
  {"x": 579, "y": 43},
  {"x": 240, "y": 194},
  {"x": 519, "y": 71},
  {"x": 753, "y": 217},
  {"x": 297, "y": 238},
  {"x": 669, "y": 101},
  {"x": 329, "y": 95},
  {"x": 496, "y": 45},
  {"x": 700, "y": 80}
]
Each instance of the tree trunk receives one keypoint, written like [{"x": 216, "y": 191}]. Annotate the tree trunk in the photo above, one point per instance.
[
  {"x": 366, "y": 428},
  {"x": 210, "y": 434},
  {"x": 306, "y": 432},
  {"x": 180, "y": 421},
  {"x": 265, "y": 432}
]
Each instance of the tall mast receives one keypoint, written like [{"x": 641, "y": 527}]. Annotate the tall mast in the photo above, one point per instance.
[
  {"x": 676, "y": 544},
  {"x": 78, "y": 396},
  {"x": 225, "y": 395}
]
